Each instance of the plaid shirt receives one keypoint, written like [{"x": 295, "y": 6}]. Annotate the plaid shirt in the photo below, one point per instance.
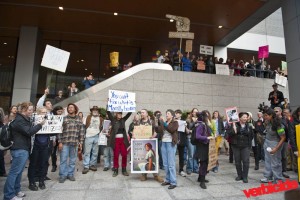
[{"x": 73, "y": 131}]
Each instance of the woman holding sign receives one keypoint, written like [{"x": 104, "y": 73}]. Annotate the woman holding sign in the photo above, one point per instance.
[
  {"x": 168, "y": 148},
  {"x": 241, "y": 136}
]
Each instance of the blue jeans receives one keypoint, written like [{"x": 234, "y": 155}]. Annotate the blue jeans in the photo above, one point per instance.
[
  {"x": 168, "y": 151},
  {"x": 177, "y": 68},
  {"x": 192, "y": 164},
  {"x": 67, "y": 169},
  {"x": 108, "y": 157},
  {"x": 91, "y": 147},
  {"x": 13, "y": 181}
]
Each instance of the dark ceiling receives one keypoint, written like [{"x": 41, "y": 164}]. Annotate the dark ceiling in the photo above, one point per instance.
[{"x": 137, "y": 21}]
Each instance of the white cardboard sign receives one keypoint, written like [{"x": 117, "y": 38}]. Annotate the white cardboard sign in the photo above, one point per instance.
[
  {"x": 55, "y": 58},
  {"x": 121, "y": 101},
  {"x": 222, "y": 69}
]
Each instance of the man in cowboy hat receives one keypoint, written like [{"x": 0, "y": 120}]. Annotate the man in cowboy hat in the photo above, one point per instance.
[{"x": 93, "y": 125}]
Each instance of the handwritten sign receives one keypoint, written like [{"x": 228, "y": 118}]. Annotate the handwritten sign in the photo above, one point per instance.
[
  {"x": 222, "y": 69},
  {"x": 280, "y": 80},
  {"x": 52, "y": 125},
  {"x": 181, "y": 126},
  {"x": 207, "y": 50},
  {"x": 212, "y": 154},
  {"x": 142, "y": 132},
  {"x": 114, "y": 59},
  {"x": 188, "y": 45},
  {"x": 144, "y": 156},
  {"x": 120, "y": 101},
  {"x": 263, "y": 52},
  {"x": 200, "y": 65},
  {"x": 55, "y": 58}
]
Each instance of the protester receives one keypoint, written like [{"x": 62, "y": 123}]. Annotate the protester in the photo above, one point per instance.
[
  {"x": 38, "y": 157},
  {"x": 73, "y": 89},
  {"x": 12, "y": 112},
  {"x": 88, "y": 81},
  {"x": 146, "y": 121},
  {"x": 168, "y": 148},
  {"x": 275, "y": 137},
  {"x": 108, "y": 151},
  {"x": 202, "y": 147},
  {"x": 93, "y": 124},
  {"x": 2, "y": 163},
  {"x": 22, "y": 130},
  {"x": 118, "y": 140},
  {"x": 241, "y": 134},
  {"x": 158, "y": 121},
  {"x": 259, "y": 137},
  {"x": 70, "y": 140},
  {"x": 181, "y": 143},
  {"x": 186, "y": 63},
  {"x": 286, "y": 104},
  {"x": 59, "y": 97},
  {"x": 192, "y": 164},
  {"x": 275, "y": 97}
]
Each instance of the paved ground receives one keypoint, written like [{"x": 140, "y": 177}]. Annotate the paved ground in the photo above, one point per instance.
[{"x": 101, "y": 185}]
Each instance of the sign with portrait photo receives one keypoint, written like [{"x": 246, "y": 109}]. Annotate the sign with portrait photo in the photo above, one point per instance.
[
  {"x": 232, "y": 114},
  {"x": 144, "y": 156}
]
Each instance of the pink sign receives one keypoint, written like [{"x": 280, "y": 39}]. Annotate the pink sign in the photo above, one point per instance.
[{"x": 263, "y": 51}]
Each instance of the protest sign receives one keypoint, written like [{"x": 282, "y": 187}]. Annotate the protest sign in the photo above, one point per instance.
[
  {"x": 102, "y": 139},
  {"x": 120, "y": 101},
  {"x": 222, "y": 69},
  {"x": 280, "y": 80},
  {"x": 142, "y": 132},
  {"x": 263, "y": 52},
  {"x": 144, "y": 156},
  {"x": 207, "y": 50},
  {"x": 106, "y": 124},
  {"x": 52, "y": 125},
  {"x": 55, "y": 58},
  {"x": 114, "y": 59},
  {"x": 212, "y": 154},
  {"x": 200, "y": 65},
  {"x": 232, "y": 114},
  {"x": 181, "y": 126},
  {"x": 188, "y": 45}
]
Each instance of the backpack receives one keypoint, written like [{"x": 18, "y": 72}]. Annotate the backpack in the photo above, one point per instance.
[
  {"x": 198, "y": 130},
  {"x": 6, "y": 138}
]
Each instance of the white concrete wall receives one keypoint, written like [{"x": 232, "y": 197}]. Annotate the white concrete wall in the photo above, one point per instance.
[{"x": 161, "y": 90}]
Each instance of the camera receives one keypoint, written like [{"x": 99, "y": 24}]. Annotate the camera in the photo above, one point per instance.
[{"x": 262, "y": 107}]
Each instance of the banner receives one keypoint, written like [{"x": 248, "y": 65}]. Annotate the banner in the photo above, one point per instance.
[
  {"x": 263, "y": 52},
  {"x": 120, "y": 101},
  {"x": 207, "y": 50},
  {"x": 114, "y": 59},
  {"x": 142, "y": 132},
  {"x": 52, "y": 125},
  {"x": 232, "y": 114},
  {"x": 280, "y": 80},
  {"x": 188, "y": 45},
  {"x": 55, "y": 58},
  {"x": 144, "y": 156},
  {"x": 212, "y": 154},
  {"x": 222, "y": 69}
]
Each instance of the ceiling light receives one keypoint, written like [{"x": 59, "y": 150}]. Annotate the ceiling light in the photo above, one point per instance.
[
  {"x": 4, "y": 43},
  {"x": 220, "y": 26},
  {"x": 171, "y": 20},
  {"x": 82, "y": 60},
  {"x": 115, "y": 14},
  {"x": 61, "y": 8},
  {"x": 85, "y": 69},
  {"x": 77, "y": 61}
]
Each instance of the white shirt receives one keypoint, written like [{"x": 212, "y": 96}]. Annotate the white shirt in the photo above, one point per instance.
[{"x": 93, "y": 129}]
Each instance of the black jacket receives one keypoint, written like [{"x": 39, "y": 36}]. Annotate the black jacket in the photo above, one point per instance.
[
  {"x": 241, "y": 138},
  {"x": 22, "y": 130},
  {"x": 115, "y": 125}
]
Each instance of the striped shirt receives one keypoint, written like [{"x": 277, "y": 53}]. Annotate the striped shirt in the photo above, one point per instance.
[{"x": 73, "y": 131}]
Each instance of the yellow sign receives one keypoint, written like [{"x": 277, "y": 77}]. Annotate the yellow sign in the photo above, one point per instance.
[
  {"x": 298, "y": 145},
  {"x": 212, "y": 154},
  {"x": 114, "y": 59},
  {"x": 189, "y": 46},
  {"x": 142, "y": 132}
]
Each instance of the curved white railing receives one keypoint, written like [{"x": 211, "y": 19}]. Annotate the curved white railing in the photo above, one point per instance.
[{"x": 117, "y": 78}]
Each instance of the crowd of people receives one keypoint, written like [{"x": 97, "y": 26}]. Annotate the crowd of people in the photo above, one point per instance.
[
  {"x": 271, "y": 137},
  {"x": 206, "y": 64}
]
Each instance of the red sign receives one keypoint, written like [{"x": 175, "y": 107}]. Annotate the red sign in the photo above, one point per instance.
[{"x": 263, "y": 52}]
